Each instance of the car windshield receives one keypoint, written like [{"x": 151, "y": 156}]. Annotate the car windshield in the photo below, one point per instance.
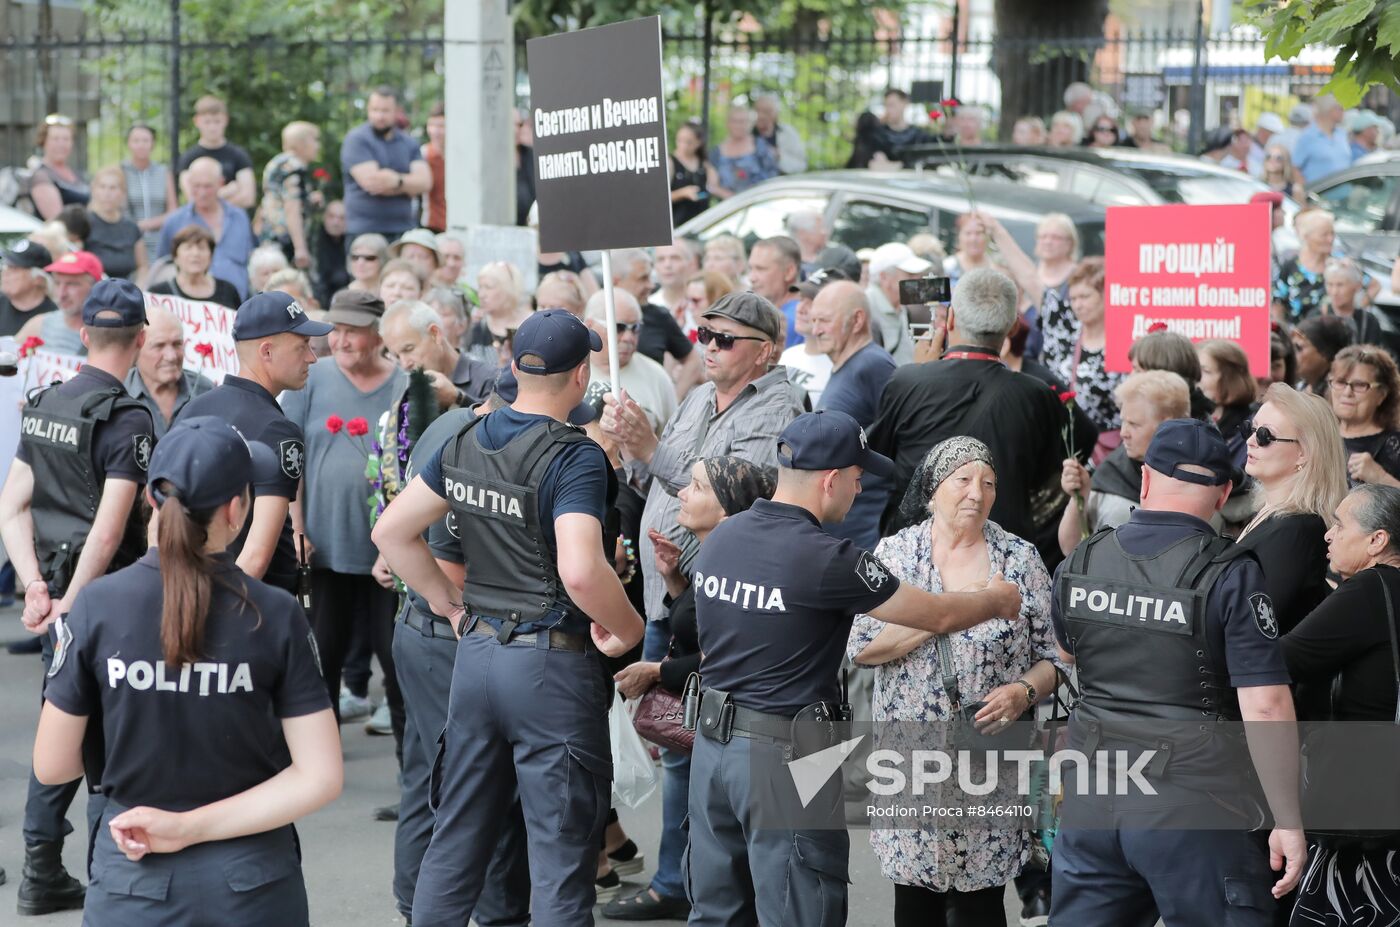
[{"x": 1194, "y": 188}]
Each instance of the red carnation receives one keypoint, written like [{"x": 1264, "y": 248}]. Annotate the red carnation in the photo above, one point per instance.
[
  {"x": 934, "y": 115},
  {"x": 950, "y": 101},
  {"x": 334, "y": 423},
  {"x": 31, "y": 344},
  {"x": 1067, "y": 396},
  {"x": 321, "y": 174},
  {"x": 204, "y": 349},
  {"x": 1157, "y": 327},
  {"x": 357, "y": 427}
]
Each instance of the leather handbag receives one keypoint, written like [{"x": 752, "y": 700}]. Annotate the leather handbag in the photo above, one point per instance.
[{"x": 660, "y": 718}]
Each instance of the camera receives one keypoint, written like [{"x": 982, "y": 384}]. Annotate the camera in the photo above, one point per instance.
[{"x": 925, "y": 291}]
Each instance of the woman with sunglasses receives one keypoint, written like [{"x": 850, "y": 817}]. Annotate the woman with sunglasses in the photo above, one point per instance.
[
  {"x": 1104, "y": 133},
  {"x": 1295, "y": 458},
  {"x": 1365, "y": 391},
  {"x": 1279, "y": 174},
  {"x": 501, "y": 290},
  {"x": 55, "y": 184},
  {"x": 366, "y": 258}
]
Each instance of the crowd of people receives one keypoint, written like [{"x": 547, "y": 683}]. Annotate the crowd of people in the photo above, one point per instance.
[{"x": 1005, "y": 442}]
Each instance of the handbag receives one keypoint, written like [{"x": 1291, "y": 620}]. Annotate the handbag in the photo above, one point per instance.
[
  {"x": 660, "y": 719},
  {"x": 963, "y": 732},
  {"x": 1355, "y": 761}
]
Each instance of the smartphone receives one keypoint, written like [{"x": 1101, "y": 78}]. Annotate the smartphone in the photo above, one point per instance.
[{"x": 925, "y": 290}]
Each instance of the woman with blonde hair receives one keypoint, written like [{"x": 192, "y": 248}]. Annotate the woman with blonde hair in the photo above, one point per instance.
[
  {"x": 1280, "y": 175},
  {"x": 1294, "y": 454},
  {"x": 501, "y": 289},
  {"x": 725, "y": 254}
]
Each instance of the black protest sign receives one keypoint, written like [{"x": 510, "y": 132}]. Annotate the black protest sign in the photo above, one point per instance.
[{"x": 602, "y": 164}]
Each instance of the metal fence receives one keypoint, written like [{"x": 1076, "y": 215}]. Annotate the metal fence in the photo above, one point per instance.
[{"x": 107, "y": 83}]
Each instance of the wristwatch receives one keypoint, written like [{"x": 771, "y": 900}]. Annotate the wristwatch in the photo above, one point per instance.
[{"x": 1030, "y": 691}]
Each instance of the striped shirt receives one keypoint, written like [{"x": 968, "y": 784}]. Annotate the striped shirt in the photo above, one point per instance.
[
  {"x": 145, "y": 198},
  {"x": 748, "y": 428}
]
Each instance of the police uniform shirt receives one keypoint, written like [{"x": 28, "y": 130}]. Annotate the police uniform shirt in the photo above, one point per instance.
[
  {"x": 255, "y": 413},
  {"x": 1245, "y": 633},
  {"x": 775, "y": 596},
  {"x": 441, "y": 536},
  {"x": 182, "y": 737},
  {"x": 121, "y": 446},
  {"x": 575, "y": 482}
]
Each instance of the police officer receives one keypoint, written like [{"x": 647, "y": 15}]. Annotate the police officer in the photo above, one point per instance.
[
  {"x": 225, "y": 668},
  {"x": 68, "y": 514},
  {"x": 1175, "y": 642},
  {"x": 775, "y": 595},
  {"x": 273, "y": 335},
  {"x": 425, "y": 647},
  {"x": 528, "y": 708}
]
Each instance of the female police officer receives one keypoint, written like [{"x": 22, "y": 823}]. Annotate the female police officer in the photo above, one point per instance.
[{"x": 185, "y": 644}]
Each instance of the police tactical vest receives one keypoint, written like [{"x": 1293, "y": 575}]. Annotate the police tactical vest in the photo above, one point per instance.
[
  {"x": 57, "y": 432},
  {"x": 512, "y": 575},
  {"x": 1149, "y": 671}
]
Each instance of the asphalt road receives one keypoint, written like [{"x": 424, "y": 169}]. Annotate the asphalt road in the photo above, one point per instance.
[{"x": 348, "y": 857}]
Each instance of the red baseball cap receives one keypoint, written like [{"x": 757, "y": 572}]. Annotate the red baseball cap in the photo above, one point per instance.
[{"x": 77, "y": 262}]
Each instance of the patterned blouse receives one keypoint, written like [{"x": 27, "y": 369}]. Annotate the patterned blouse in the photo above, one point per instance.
[
  {"x": 285, "y": 178},
  {"x": 738, "y": 174},
  {"x": 1093, "y": 384},
  {"x": 910, "y": 688}
]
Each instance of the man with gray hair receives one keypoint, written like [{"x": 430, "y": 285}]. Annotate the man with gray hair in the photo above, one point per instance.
[
  {"x": 971, "y": 392},
  {"x": 415, "y": 338},
  {"x": 783, "y": 138},
  {"x": 808, "y": 229},
  {"x": 641, "y": 378},
  {"x": 451, "y": 307}
]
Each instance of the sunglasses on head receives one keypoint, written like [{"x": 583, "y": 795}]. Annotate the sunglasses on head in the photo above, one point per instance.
[
  {"x": 1264, "y": 436},
  {"x": 624, "y": 328},
  {"x": 722, "y": 340},
  {"x": 57, "y": 119}
]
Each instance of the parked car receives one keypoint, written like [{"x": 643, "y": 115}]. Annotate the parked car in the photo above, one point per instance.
[
  {"x": 866, "y": 209},
  {"x": 1365, "y": 201},
  {"x": 14, "y": 225}
]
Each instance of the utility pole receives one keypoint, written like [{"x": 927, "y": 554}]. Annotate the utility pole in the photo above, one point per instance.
[{"x": 479, "y": 95}]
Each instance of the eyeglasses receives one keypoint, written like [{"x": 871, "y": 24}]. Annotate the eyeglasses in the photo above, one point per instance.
[
  {"x": 1264, "y": 436},
  {"x": 624, "y": 328},
  {"x": 722, "y": 340},
  {"x": 364, "y": 257},
  {"x": 1359, "y": 387},
  {"x": 1105, "y": 129},
  {"x": 499, "y": 340}
]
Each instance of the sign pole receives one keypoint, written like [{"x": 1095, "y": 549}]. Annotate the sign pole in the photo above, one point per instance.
[{"x": 611, "y": 334}]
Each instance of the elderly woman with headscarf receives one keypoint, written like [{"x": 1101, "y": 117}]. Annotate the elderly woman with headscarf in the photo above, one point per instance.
[
  {"x": 1005, "y": 665},
  {"x": 719, "y": 487}
]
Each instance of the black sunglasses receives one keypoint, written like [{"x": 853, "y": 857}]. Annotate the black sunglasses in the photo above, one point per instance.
[
  {"x": 507, "y": 338},
  {"x": 723, "y": 341},
  {"x": 625, "y": 327},
  {"x": 1263, "y": 435}
]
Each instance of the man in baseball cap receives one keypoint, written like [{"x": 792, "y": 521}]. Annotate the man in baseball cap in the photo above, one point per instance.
[
  {"x": 74, "y": 276},
  {"x": 24, "y": 287},
  {"x": 889, "y": 265}
]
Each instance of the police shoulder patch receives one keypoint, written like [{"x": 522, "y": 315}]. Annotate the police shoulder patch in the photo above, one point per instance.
[
  {"x": 62, "y": 644},
  {"x": 141, "y": 446},
  {"x": 1264, "y": 618},
  {"x": 874, "y": 574},
  {"x": 293, "y": 457}
]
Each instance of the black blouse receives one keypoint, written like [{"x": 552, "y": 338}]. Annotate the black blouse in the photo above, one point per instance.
[
  {"x": 684, "y": 655},
  {"x": 1292, "y": 549},
  {"x": 682, "y": 176}
]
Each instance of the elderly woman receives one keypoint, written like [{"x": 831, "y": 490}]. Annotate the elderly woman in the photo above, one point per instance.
[
  {"x": 1294, "y": 456},
  {"x": 266, "y": 260},
  {"x": 501, "y": 289},
  {"x": 1225, "y": 381},
  {"x": 1079, "y": 360},
  {"x": 1343, "y": 280},
  {"x": 1316, "y": 341},
  {"x": 356, "y": 382},
  {"x": 1147, "y": 399},
  {"x": 192, "y": 250},
  {"x": 742, "y": 159},
  {"x": 365, "y": 260},
  {"x": 54, "y": 184},
  {"x": 401, "y": 280},
  {"x": 1300, "y": 287},
  {"x": 560, "y": 290},
  {"x": 1365, "y": 393},
  {"x": 1005, "y": 664},
  {"x": 719, "y": 487},
  {"x": 1341, "y": 657}
]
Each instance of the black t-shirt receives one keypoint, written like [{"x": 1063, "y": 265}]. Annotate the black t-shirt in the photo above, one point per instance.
[
  {"x": 114, "y": 244},
  {"x": 251, "y": 409},
  {"x": 225, "y": 293},
  {"x": 182, "y": 737},
  {"x": 230, "y": 157},
  {"x": 682, "y": 176},
  {"x": 683, "y": 655},
  {"x": 660, "y": 335},
  {"x": 1384, "y": 446},
  {"x": 1346, "y": 634},
  {"x": 12, "y": 320},
  {"x": 1292, "y": 549},
  {"x": 774, "y": 599},
  {"x": 1017, "y": 416},
  {"x": 121, "y": 446}
]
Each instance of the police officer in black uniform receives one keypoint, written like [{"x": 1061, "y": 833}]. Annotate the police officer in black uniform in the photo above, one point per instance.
[
  {"x": 775, "y": 595},
  {"x": 1176, "y": 643},
  {"x": 425, "y": 647},
  {"x": 69, "y": 513},
  {"x": 273, "y": 335},
  {"x": 527, "y": 715},
  {"x": 197, "y": 823}
]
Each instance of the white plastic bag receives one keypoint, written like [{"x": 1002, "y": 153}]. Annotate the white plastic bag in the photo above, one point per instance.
[{"x": 634, "y": 774}]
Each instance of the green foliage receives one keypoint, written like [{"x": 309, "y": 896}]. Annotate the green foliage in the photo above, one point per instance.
[
  {"x": 1366, "y": 33},
  {"x": 810, "y": 17}
]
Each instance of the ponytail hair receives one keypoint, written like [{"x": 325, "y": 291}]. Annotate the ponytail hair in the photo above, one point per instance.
[{"x": 187, "y": 577}]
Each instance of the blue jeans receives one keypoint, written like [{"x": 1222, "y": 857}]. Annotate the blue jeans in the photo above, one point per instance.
[
  {"x": 657, "y": 641},
  {"x": 669, "y": 881}
]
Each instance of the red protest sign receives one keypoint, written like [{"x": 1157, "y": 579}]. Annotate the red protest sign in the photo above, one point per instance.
[
  {"x": 1202, "y": 271},
  {"x": 209, "y": 344}
]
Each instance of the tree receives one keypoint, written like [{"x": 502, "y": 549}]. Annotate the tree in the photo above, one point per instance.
[
  {"x": 1366, "y": 33},
  {"x": 1034, "y": 70}
]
